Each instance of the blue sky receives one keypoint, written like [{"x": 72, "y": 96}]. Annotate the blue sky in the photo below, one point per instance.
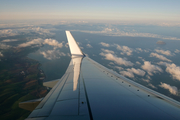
[{"x": 158, "y": 10}]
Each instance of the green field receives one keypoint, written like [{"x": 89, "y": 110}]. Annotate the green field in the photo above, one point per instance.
[{"x": 19, "y": 81}]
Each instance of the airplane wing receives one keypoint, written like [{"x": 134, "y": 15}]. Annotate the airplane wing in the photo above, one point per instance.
[{"x": 90, "y": 91}]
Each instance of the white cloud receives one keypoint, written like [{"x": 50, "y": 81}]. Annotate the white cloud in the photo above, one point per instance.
[
  {"x": 139, "y": 50},
  {"x": 128, "y": 74},
  {"x": 39, "y": 30},
  {"x": 172, "y": 69},
  {"x": 137, "y": 71},
  {"x": 125, "y": 49},
  {"x": 161, "y": 57},
  {"x": 40, "y": 41},
  {"x": 107, "y": 30},
  {"x": 120, "y": 61},
  {"x": 4, "y": 46},
  {"x": 52, "y": 54},
  {"x": 111, "y": 63},
  {"x": 116, "y": 32},
  {"x": 53, "y": 42},
  {"x": 8, "y": 32},
  {"x": 147, "y": 76},
  {"x": 172, "y": 89},
  {"x": 151, "y": 85},
  {"x": 26, "y": 30},
  {"x": 9, "y": 40},
  {"x": 107, "y": 51},
  {"x": 137, "y": 62},
  {"x": 146, "y": 50},
  {"x": 151, "y": 68},
  {"x": 146, "y": 80},
  {"x": 165, "y": 52},
  {"x": 141, "y": 58},
  {"x": 1, "y": 55},
  {"x": 177, "y": 51},
  {"x": 104, "y": 44},
  {"x": 119, "y": 68},
  {"x": 37, "y": 41},
  {"x": 66, "y": 45},
  {"x": 89, "y": 46}
]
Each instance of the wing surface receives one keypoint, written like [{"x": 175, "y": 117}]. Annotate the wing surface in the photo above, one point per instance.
[{"x": 89, "y": 90}]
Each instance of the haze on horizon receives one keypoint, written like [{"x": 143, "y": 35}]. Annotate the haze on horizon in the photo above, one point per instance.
[{"x": 129, "y": 10}]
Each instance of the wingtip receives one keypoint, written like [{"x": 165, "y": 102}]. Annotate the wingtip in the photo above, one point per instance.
[{"x": 74, "y": 48}]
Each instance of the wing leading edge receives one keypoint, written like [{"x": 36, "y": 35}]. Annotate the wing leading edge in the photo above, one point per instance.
[{"x": 89, "y": 90}]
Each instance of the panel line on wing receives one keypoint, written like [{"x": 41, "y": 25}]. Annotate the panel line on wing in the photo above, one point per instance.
[{"x": 88, "y": 104}]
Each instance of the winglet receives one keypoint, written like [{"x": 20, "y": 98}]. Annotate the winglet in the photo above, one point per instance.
[{"x": 74, "y": 48}]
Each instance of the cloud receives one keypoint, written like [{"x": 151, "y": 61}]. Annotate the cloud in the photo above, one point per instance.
[
  {"x": 66, "y": 45},
  {"x": 125, "y": 49},
  {"x": 151, "y": 68},
  {"x": 53, "y": 42},
  {"x": 139, "y": 50},
  {"x": 172, "y": 69},
  {"x": 1, "y": 55},
  {"x": 8, "y": 32},
  {"x": 141, "y": 58},
  {"x": 147, "y": 76},
  {"x": 104, "y": 44},
  {"x": 151, "y": 85},
  {"x": 120, "y": 61},
  {"x": 146, "y": 80},
  {"x": 161, "y": 57},
  {"x": 167, "y": 52},
  {"x": 137, "y": 71},
  {"x": 177, "y": 51},
  {"x": 52, "y": 54},
  {"x": 4, "y": 46},
  {"x": 40, "y": 30},
  {"x": 40, "y": 41},
  {"x": 107, "y": 51},
  {"x": 130, "y": 72},
  {"x": 172, "y": 89},
  {"x": 25, "y": 30},
  {"x": 137, "y": 62},
  {"x": 37, "y": 41},
  {"x": 119, "y": 68},
  {"x": 107, "y": 30},
  {"x": 117, "y": 32},
  {"x": 9, "y": 40},
  {"x": 89, "y": 46}
]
